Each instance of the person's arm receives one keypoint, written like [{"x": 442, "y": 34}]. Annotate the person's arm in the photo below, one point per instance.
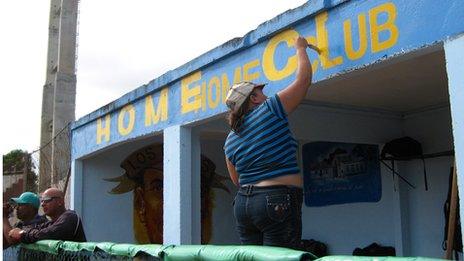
[
  {"x": 62, "y": 229},
  {"x": 294, "y": 94},
  {"x": 14, "y": 236},
  {"x": 6, "y": 226},
  {"x": 232, "y": 172},
  {"x": 6, "y": 231}
]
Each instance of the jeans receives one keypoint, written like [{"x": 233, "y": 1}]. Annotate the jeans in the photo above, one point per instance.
[{"x": 269, "y": 215}]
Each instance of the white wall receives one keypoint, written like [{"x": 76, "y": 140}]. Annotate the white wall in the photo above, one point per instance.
[
  {"x": 426, "y": 217},
  {"x": 223, "y": 223},
  {"x": 108, "y": 217},
  {"x": 347, "y": 226}
]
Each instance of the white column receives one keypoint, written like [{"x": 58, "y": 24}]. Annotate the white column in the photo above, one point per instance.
[
  {"x": 181, "y": 186},
  {"x": 454, "y": 54},
  {"x": 76, "y": 186},
  {"x": 196, "y": 189}
]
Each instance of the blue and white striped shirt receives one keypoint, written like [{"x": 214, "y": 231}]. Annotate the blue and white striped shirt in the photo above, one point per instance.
[{"x": 265, "y": 147}]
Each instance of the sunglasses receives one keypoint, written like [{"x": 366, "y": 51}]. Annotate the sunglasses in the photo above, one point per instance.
[{"x": 47, "y": 199}]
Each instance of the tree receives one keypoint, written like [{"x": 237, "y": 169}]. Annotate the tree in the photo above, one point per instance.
[{"x": 15, "y": 163}]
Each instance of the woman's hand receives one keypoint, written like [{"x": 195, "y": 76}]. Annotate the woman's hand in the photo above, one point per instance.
[{"x": 301, "y": 42}]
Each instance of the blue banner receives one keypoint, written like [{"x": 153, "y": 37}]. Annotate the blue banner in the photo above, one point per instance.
[{"x": 338, "y": 173}]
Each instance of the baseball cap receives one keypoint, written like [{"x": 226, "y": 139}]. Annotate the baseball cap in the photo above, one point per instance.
[
  {"x": 238, "y": 94},
  {"x": 27, "y": 198}
]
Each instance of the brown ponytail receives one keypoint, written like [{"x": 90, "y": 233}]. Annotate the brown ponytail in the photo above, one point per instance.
[{"x": 235, "y": 119}]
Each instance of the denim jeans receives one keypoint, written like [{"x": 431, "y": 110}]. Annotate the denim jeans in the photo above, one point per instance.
[{"x": 269, "y": 215}]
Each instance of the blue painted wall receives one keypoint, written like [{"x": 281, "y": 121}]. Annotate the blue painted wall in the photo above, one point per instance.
[{"x": 352, "y": 34}]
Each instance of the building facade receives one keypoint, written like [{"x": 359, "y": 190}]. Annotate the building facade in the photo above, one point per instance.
[{"x": 388, "y": 69}]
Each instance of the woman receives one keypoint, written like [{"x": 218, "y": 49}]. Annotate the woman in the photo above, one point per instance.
[{"x": 261, "y": 158}]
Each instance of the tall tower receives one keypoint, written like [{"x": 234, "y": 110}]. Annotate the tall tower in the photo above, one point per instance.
[{"x": 59, "y": 93}]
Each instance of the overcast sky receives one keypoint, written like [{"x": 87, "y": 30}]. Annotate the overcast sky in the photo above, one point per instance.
[{"x": 122, "y": 45}]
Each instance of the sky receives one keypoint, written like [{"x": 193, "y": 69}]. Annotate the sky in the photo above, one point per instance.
[{"x": 122, "y": 45}]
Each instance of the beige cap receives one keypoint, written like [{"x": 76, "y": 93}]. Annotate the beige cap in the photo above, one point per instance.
[{"x": 238, "y": 94}]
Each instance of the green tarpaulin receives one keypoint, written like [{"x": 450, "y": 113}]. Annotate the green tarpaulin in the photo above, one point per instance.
[{"x": 192, "y": 252}]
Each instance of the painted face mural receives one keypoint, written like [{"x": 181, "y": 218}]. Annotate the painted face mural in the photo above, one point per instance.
[{"x": 144, "y": 177}]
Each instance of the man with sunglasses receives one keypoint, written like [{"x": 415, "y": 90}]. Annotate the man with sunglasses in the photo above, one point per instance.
[
  {"x": 63, "y": 225},
  {"x": 27, "y": 207}
]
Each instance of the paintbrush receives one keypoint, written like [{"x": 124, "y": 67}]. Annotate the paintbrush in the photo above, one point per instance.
[{"x": 315, "y": 48}]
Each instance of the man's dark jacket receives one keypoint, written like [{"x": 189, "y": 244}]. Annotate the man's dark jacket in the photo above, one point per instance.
[{"x": 67, "y": 227}]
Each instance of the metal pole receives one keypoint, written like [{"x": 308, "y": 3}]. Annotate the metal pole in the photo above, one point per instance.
[{"x": 452, "y": 216}]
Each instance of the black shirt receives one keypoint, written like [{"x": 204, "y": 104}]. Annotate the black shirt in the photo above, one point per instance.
[
  {"x": 67, "y": 227},
  {"x": 38, "y": 219}
]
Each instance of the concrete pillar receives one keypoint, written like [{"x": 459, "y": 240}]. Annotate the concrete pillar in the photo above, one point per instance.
[
  {"x": 196, "y": 188},
  {"x": 181, "y": 213},
  {"x": 75, "y": 193},
  {"x": 63, "y": 114},
  {"x": 47, "y": 97},
  {"x": 454, "y": 54},
  {"x": 64, "y": 98}
]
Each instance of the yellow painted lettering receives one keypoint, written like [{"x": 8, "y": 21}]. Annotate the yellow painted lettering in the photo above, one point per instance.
[
  {"x": 103, "y": 131},
  {"x": 203, "y": 96},
  {"x": 188, "y": 93},
  {"x": 269, "y": 67},
  {"x": 389, "y": 25},
  {"x": 151, "y": 116},
  {"x": 130, "y": 110},
  {"x": 322, "y": 36},
  {"x": 247, "y": 76},
  {"x": 362, "y": 33},
  {"x": 214, "y": 85}
]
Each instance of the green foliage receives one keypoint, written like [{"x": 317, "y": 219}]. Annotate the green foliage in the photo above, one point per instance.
[{"x": 14, "y": 162}]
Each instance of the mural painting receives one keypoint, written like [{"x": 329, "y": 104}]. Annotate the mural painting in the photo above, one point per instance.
[
  {"x": 339, "y": 173},
  {"x": 144, "y": 177}
]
